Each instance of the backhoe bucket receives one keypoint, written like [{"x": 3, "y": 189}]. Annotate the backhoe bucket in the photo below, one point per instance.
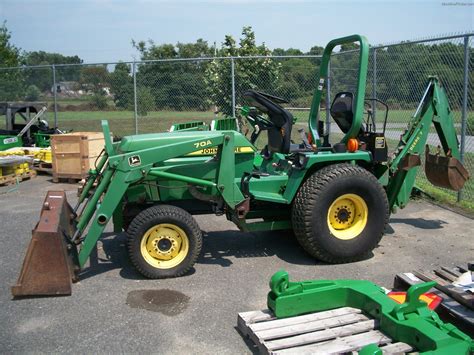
[
  {"x": 447, "y": 172},
  {"x": 49, "y": 265}
]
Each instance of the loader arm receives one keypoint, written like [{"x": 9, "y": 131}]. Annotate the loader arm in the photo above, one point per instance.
[
  {"x": 116, "y": 170},
  {"x": 122, "y": 170},
  {"x": 403, "y": 167}
]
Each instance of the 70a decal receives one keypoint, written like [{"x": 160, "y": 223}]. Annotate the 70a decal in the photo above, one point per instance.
[{"x": 202, "y": 144}]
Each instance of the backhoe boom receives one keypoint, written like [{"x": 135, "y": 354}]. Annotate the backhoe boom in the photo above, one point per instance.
[{"x": 433, "y": 108}]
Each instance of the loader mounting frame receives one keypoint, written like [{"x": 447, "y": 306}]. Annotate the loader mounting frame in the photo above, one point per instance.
[{"x": 411, "y": 322}]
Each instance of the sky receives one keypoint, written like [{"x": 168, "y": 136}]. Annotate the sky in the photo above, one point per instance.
[{"x": 102, "y": 30}]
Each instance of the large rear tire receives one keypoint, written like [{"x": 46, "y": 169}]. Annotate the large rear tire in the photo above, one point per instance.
[
  {"x": 164, "y": 241},
  {"x": 339, "y": 213}
]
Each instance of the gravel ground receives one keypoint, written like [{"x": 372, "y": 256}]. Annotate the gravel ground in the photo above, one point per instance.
[{"x": 113, "y": 308}]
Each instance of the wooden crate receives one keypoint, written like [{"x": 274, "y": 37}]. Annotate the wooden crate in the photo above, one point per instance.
[
  {"x": 75, "y": 153},
  {"x": 341, "y": 330}
]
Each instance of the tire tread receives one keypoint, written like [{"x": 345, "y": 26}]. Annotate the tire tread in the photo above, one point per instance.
[
  {"x": 156, "y": 212},
  {"x": 308, "y": 196}
]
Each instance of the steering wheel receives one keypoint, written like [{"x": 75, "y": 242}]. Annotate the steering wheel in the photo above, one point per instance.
[{"x": 257, "y": 121}]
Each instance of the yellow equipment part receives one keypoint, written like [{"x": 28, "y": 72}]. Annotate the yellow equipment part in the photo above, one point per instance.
[
  {"x": 347, "y": 216},
  {"x": 164, "y": 246},
  {"x": 44, "y": 155},
  {"x": 12, "y": 152},
  {"x": 18, "y": 169}
]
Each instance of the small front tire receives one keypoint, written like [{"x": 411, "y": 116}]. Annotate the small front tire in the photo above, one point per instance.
[{"x": 164, "y": 241}]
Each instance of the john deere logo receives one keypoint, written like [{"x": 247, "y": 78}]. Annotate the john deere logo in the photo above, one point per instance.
[
  {"x": 10, "y": 140},
  {"x": 134, "y": 160}
]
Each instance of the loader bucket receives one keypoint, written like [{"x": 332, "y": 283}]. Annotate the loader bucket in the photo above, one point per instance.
[
  {"x": 49, "y": 265},
  {"x": 447, "y": 172}
]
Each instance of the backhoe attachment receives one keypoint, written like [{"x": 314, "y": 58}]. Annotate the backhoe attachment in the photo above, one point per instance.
[
  {"x": 50, "y": 263},
  {"x": 447, "y": 172},
  {"x": 444, "y": 171}
]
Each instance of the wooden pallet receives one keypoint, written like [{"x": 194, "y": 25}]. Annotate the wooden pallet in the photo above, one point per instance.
[
  {"x": 12, "y": 178},
  {"x": 457, "y": 306},
  {"x": 44, "y": 167},
  {"x": 335, "y": 331},
  {"x": 67, "y": 179}
]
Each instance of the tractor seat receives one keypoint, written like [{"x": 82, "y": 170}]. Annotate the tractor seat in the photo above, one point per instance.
[
  {"x": 279, "y": 134},
  {"x": 342, "y": 111}
]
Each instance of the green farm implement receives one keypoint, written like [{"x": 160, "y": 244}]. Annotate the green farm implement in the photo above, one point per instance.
[
  {"x": 411, "y": 323},
  {"x": 28, "y": 130},
  {"x": 336, "y": 197}
]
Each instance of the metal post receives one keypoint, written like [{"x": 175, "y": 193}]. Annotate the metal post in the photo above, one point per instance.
[
  {"x": 232, "y": 73},
  {"x": 135, "y": 108},
  {"x": 464, "y": 105},
  {"x": 374, "y": 84},
  {"x": 55, "y": 98},
  {"x": 328, "y": 101}
]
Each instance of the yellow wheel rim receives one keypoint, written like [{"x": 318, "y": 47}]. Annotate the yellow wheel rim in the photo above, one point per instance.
[
  {"x": 164, "y": 246},
  {"x": 347, "y": 216}
]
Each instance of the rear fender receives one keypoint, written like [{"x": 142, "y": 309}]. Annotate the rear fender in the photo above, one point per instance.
[{"x": 317, "y": 162}]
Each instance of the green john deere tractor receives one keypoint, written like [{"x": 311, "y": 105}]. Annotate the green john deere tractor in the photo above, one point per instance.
[{"x": 337, "y": 198}]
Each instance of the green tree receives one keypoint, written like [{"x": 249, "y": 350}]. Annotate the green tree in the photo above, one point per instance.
[
  {"x": 349, "y": 46},
  {"x": 32, "y": 93},
  {"x": 11, "y": 81},
  {"x": 94, "y": 79},
  {"x": 121, "y": 86},
  {"x": 297, "y": 76},
  {"x": 297, "y": 80},
  {"x": 43, "y": 77},
  {"x": 316, "y": 50},
  {"x": 99, "y": 100},
  {"x": 145, "y": 101},
  {"x": 250, "y": 73},
  {"x": 175, "y": 85}
]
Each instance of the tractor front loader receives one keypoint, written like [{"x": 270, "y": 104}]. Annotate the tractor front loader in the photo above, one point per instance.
[{"x": 336, "y": 197}]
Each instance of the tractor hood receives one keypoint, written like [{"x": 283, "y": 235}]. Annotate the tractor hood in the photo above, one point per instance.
[{"x": 144, "y": 141}]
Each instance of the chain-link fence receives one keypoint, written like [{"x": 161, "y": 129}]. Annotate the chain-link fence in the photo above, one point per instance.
[{"x": 149, "y": 96}]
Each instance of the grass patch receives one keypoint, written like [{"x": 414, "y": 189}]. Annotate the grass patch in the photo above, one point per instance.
[
  {"x": 123, "y": 122},
  {"x": 446, "y": 197}
]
